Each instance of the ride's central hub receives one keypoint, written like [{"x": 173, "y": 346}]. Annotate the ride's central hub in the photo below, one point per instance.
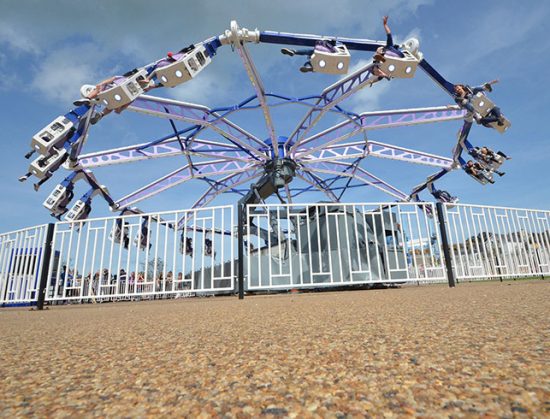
[
  {"x": 282, "y": 147},
  {"x": 280, "y": 171}
]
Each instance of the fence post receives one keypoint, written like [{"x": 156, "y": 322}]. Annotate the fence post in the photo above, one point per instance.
[
  {"x": 46, "y": 256},
  {"x": 241, "y": 207},
  {"x": 445, "y": 244}
]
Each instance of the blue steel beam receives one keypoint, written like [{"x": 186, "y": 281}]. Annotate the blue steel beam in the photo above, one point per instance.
[{"x": 286, "y": 38}]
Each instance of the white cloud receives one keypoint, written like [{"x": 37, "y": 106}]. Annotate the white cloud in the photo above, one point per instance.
[
  {"x": 17, "y": 40},
  {"x": 59, "y": 75}
]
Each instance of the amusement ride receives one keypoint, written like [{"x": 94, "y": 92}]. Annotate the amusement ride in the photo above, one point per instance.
[{"x": 238, "y": 161}]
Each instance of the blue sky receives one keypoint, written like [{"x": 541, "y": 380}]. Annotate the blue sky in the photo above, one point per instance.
[{"x": 49, "y": 49}]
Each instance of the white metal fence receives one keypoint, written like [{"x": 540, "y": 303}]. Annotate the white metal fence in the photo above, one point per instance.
[
  {"x": 319, "y": 245},
  {"x": 145, "y": 255},
  {"x": 21, "y": 261},
  {"x": 498, "y": 242},
  {"x": 182, "y": 253}
]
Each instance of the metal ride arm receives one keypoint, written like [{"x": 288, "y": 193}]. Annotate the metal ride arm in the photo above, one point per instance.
[
  {"x": 166, "y": 148},
  {"x": 380, "y": 150},
  {"x": 201, "y": 116},
  {"x": 377, "y": 120},
  {"x": 256, "y": 82},
  {"x": 330, "y": 97},
  {"x": 335, "y": 168},
  {"x": 184, "y": 174}
]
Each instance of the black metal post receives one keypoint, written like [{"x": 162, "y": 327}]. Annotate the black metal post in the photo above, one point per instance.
[
  {"x": 241, "y": 207},
  {"x": 46, "y": 256},
  {"x": 445, "y": 244}
]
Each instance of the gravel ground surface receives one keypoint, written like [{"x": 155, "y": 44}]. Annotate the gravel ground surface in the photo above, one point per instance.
[{"x": 476, "y": 350}]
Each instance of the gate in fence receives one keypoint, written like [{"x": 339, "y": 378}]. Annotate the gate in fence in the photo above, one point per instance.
[{"x": 285, "y": 246}]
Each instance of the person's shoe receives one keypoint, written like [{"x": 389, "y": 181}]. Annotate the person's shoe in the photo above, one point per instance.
[
  {"x": 306, "y": 68},
  {"x": 95, "y": 118},
  {"x": 501, "y": 173},
  {"x": 288, "y": 51},
  {"x": 81, "y": 102},
  {"x": 500, "y": 122}
]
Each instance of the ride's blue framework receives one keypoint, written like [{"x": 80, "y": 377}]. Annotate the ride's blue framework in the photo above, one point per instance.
[{"x": 241, "y": 156}]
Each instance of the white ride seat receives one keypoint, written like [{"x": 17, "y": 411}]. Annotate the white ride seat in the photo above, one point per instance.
[
  {"x": 52, "y": 135},
  {"x": 184, "y": 69},
  {"x": 41, "y": 166},
  {"x": 331, "y": 62},
  {"x": 400, "y": 67},
  {"x": 79, "y": 211},
  {"x": 124, "y": 93},
  {"x": 57, "y": 202}
]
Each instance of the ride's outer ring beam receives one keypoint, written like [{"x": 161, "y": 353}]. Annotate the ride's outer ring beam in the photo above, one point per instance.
[{"x": 308, "y": 40}]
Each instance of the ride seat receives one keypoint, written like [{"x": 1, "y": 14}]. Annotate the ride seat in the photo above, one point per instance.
[
  {"x": 52, "y": 135},
  {"x": 79, "y": 211},
  {"x": 501, "y": 128},
  {"x": 57, "y": 202},
  {"x": 184, "y": 69},
  {"x": 124, "y": 93},
  {"x": 400, "y": 67},
  {"x": 482, "y": 104},
  {"x": 331, "y": 62},
  {"x": 41, "y": 166}
]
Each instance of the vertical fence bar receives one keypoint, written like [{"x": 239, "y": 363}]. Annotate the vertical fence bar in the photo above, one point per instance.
[
  {"x": 45, "y": 267},
  {"x": 445, "y": 244},
  {"x": 240, "y": 242}
]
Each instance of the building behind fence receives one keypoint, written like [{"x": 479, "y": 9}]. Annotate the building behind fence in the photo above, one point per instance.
[{"x": 285, "y": 246}]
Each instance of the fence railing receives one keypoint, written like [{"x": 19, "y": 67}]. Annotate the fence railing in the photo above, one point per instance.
[
  {"x": 498, "y": 242},
  {"x": 316, "y": 245},
  {"x": 188, "y": 252},
  {"x": 143, "y": 255},
  {"x": 21, "y": 263}
]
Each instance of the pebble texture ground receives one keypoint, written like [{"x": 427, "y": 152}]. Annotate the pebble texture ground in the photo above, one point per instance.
[{"x": 479, "y": 350}]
